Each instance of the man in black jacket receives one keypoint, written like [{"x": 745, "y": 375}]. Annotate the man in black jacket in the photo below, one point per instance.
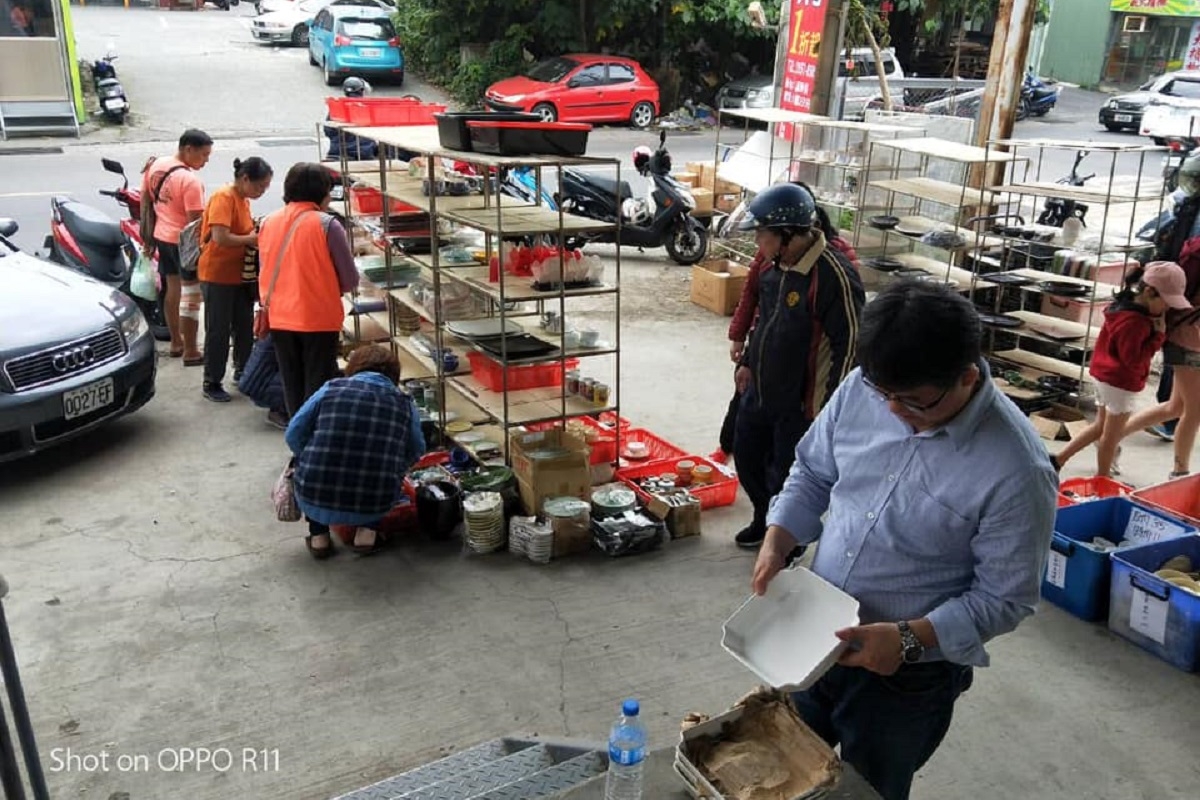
[{"x": 809, "y": 299}]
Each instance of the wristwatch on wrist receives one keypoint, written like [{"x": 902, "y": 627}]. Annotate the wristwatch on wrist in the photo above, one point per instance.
[{"x": 911, "y": 648}]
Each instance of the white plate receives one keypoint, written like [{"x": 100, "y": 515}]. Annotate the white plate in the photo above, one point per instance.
[
  {"x": 483, "y": 327},
  {"x": 87, "y": 399},
  {"x": 786, "y": 637},
  {"x": 600, "y": 345},
  {"x": 466, "y": 437}
]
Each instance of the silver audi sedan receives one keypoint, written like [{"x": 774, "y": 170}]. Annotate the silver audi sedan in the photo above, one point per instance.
[{"x": 74, "y": 353}]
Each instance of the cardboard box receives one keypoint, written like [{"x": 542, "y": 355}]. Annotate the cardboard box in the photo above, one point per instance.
[
  {"x": 682, "y": 520},
  {"x": 726, "y": 187},
  {"x": 727, "y": 202},
  {"x": 687, "y": 178},
  {"x": 571, "y": 536},
  {"x": 703, "y": 198},
  {"x": 566, "y": 475},
  {"x": 717, "y": 285},
  {"x": 1058, "y": 422}
]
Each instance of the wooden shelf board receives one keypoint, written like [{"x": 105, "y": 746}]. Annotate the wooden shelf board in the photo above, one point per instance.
[
  {"x": 961, "y": 277},
  {"x": 1047, "y": 364},
  {"x": 941, "y": 192},
  {"x": 424, "y": 141},
  {"x": 526, "y": 221},
  {"x": 407, "y": 189},
  {"x": 949, "y": 151},
  {"x": 524, "y": 406},
  {"x": 1149, "y": 190}
]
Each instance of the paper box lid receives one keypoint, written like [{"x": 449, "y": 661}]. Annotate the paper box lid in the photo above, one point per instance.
[{"x": 786, "y": 637}]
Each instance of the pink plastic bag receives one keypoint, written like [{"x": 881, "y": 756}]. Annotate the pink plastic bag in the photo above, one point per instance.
[{"x": 283, "y": 496}]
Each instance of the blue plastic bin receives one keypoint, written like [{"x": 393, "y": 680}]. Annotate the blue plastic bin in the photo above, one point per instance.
[
  {"x": 1134, "y": 583},
  {"x": 1082, "y": 570}
]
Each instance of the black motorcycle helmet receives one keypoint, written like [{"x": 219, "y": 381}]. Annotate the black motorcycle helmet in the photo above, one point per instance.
[
  {"x": 355, "y": 87},
  {"x": 785, "y": 208}
]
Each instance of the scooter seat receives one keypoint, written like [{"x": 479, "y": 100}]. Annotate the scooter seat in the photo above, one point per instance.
[
  {"x": 91, "y": 225},
  {"x": 602, "y": 184}
]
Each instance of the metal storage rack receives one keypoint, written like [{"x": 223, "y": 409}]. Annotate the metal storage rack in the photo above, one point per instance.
[
  {"x": 831, "y": 156},
  {"x": 952, "y": 198},
  {"x": 498, "y": 217},
  {"x": 1122, "y": 203}
]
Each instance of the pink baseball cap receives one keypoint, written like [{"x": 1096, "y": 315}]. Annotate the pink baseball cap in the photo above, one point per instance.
[{"x": 1167, "y": 278}]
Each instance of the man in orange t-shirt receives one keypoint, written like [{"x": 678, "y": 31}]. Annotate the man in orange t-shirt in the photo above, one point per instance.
[
  {"x": 171, "y": 184},
  {"x": 226, "y": 231}
]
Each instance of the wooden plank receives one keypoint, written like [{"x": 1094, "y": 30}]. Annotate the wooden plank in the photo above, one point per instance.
[
  {"x": 950, "y": 151},
  {"x": 1150, "y": 190},
  {"x": 947, "y": 194},
  {"x": 1053, "y": 366}
]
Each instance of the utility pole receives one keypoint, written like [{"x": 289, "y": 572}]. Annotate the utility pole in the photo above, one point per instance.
[{"x": 1006, "y": 70}]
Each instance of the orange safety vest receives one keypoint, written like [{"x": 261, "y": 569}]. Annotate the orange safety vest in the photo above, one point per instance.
[{"x": 307, "y": 297}]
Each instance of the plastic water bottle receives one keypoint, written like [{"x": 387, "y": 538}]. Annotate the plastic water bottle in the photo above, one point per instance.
[{"x": 626, "y": 754}]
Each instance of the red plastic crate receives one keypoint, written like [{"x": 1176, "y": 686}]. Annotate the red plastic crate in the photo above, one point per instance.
[
  {"x": 604, "y": 446},
  {"x": 721, "y": 492},
  {"x": 388, "y": 111},
  {"x": 661, "y": 451},
  {"x": 1180, "y": 498},
  {"x": 530, "y": 376},
  {"x": 1085, "y": 489},
  {"x": 339, "y": 111},
  {"x": 367, "y": 201}
]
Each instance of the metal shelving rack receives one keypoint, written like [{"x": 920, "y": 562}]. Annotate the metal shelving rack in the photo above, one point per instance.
[
  {"x": 498, "y": 217},
  {"x": 952, "y": 199},
  {"x": 1023, "y": 192}
]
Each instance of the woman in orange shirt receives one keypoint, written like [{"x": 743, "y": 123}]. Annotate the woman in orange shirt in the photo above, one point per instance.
[
  {"x": 226, "y": 231},
  {"x": 306, "y": 267}
]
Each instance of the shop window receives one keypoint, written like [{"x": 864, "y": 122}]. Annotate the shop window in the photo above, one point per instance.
[{"x": 27, "y": 18}]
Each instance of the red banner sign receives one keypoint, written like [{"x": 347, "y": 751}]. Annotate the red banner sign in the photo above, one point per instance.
[{"x": 803, "y": 53}]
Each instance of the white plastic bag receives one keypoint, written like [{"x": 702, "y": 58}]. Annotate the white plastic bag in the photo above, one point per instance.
[{"x": 142, "y": 281}]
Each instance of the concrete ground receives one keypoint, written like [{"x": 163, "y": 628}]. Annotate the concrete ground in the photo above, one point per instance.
[{"x": 157, "y": 606}]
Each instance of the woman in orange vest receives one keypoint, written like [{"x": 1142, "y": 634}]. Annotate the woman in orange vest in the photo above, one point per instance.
[{"x": 306, "y": 267}]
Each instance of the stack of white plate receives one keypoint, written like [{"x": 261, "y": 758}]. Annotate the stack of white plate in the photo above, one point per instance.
[{"x": 484, "y": 521}]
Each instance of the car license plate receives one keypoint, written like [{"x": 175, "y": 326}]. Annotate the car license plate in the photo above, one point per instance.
[
  {"x": 86, "y": 399},
  {"x": 1123, "y": 118},
  {"x": 114, "y": 102},
  {"x": 370, "y": 52}
]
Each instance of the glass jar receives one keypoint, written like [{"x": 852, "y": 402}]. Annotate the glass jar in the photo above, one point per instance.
[{"x": 600, "y": 394}]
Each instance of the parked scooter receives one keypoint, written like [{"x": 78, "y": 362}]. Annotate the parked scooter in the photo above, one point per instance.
[
  {"x": 662, "y": 219},
  {"x": 1058, "y": 210},
  {"x": 109, "y": 90},
  {"x": 87, "y": 240},
  {"x": 1037, "y": 96}
]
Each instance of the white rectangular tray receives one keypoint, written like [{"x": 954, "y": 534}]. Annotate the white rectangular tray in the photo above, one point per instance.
[{"x": 786, "y": 637}]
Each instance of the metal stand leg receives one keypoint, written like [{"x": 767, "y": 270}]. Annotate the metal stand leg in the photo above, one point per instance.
[
  {"x": 16, "y": 698},
  {"x": 10, "y": 773}
]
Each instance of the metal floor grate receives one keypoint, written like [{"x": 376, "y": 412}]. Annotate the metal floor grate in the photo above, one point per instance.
[{"x": 502, "y": 769}]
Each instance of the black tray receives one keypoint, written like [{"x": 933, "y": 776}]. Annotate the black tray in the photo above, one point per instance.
[
  {"x": 999, "y": 320},
  {"x": 520, "y": 345},
  {"x": 885, "y": 264},
  {"x": 550, "y": 139},
  {"x": 1006, "y": 278},
  {"x": 1065, "y": 288},
  {"x": 554, "y": 287},
  {"x": 452, "y": 125}
]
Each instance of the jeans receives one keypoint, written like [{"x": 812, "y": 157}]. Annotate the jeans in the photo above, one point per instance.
[
  {"x": 764, "y": 448},
  {"x": 306, "y": 362},
  {"x": 888, "y": 727},
  {"x": 228, "y": 313},
  {"x": 1166, "y": 381}
]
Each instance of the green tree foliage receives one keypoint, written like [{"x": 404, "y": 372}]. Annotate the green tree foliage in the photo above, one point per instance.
[{"x": 661, "y": 34}]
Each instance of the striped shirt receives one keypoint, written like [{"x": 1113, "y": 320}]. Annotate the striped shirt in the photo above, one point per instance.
[{"x": 952, "y": 524}]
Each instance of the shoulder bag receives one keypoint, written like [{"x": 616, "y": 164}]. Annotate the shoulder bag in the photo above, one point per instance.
[{"x": 262, "y": 320}]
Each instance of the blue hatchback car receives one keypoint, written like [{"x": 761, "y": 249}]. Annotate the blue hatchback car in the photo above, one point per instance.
[{"x": 355, "y": 40}]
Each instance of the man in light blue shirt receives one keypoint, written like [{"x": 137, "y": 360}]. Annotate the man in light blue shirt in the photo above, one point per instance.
[{"x": 941, "y": 502}]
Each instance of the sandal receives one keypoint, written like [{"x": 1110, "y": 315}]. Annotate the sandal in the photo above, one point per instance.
[
  {"x": 367, "y": 549},
  {"x": 175, "y": 353},
  {"x": 319, "y": 553}
]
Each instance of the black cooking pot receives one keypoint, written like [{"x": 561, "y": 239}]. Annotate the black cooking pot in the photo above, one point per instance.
[{"x": 439, "y": 508}]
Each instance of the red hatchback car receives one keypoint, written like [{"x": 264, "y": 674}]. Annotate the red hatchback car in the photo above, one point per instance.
[{"x": 580, "y": 88}]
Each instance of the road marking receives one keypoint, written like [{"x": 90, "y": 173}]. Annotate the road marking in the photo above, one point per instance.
[
  {"x": 162, "y": 21},
  {"x": 8, "y": 195}
]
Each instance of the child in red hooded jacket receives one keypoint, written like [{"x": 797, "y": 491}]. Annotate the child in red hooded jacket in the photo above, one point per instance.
[{"x": 1133, "y": 331}]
